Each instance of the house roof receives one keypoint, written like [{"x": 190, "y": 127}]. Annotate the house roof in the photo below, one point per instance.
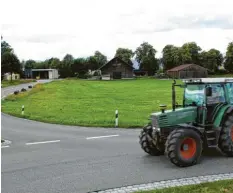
[
  {"x": 182, "y": 67},
  {"x": 122, "y": 61}
]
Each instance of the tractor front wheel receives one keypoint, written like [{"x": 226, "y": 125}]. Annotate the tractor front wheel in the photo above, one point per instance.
[
  {"x": 146, "y": 144},
  {"x": 184, "y": 147},
  {"x": 226, "y": 136}
]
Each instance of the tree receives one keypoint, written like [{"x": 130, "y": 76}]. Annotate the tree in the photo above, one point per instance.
[
  {"x": 10, "y": 63},
  {"x": 100, "y": 59},
  {"x": 55, "y": 63},
  {"x": 125, "y": 54},
  {"x": 96, "y": 61},
  {"x": 228, "y": 64},
  {"x": 29, "y": 64},
  {"x": 5, "y": 47},
  {"x": 171, "y": 57},
  {"x": 91, "y": 63},
  {"x": 145, "y": 56},
  {"x": 211, "y": 59},
  {"x": 65, "y": 69},
  {"x": 190, "y": 53},
  {"x": 80, "y": 67}
]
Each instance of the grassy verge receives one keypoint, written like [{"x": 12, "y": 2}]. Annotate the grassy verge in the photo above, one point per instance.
[
  {"x": 93, "y": 103},
  {"x": 6, "y": 83},
  {"x": 224, "y": 186}
]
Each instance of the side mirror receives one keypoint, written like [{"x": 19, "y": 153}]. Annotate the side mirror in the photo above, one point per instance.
[{"x": 208, "y": 91}]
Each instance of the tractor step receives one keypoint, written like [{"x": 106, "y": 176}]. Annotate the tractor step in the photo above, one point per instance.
[
  {"x": 212, "y": 146},
  {"x": 211, "y": 138},
  {"x": 210, "y": 132}
]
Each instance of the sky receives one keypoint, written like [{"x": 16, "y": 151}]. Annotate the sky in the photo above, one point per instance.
[{"x": 41, "y": 29}]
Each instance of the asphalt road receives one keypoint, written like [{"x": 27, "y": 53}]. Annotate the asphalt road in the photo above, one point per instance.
[{"x": 53, "y": 158}]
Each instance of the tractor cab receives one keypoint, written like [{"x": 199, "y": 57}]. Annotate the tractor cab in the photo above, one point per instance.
[
  {"x": 204, "y": 119},
  {"x": 211, "y": 93}
]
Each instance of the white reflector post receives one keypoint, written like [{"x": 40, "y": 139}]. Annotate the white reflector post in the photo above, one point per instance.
[
  {"x": 116, "y": 116},
  {"x": 22, "y": 109}
]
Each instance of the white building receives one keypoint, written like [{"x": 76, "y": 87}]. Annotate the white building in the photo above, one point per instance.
[
  {"x": 7, "y": 76},
  {"x": 45, "y": 73}
]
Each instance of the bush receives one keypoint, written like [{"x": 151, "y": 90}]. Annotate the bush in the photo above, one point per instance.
[
  {"x": 23, "y": 90},
  {"x": 16, "y": 92}
]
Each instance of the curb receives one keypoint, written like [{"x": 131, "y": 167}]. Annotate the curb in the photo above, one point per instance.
[{"x": 169, "y": 183}]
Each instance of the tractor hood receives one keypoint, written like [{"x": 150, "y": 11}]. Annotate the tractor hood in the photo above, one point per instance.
[{"x": 170, "y": 118}]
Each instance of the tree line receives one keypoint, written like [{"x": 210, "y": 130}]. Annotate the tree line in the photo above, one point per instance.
[{"x": 145, "y": 55}]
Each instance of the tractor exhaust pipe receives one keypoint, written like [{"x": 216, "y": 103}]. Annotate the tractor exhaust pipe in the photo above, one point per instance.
[{"x": 173, "y": 96}]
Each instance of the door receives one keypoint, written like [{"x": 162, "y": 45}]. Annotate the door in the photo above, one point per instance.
[{"x": 116, "y": 75}]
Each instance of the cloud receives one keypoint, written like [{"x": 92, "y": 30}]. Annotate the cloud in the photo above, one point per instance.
[
  {"x": 81, "y": 27},
  {"x": 195, "y": 22},
  {"x": 47, "y": 39}
]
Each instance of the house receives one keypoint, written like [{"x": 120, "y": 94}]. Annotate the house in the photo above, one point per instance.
[
  {"x": 116, "y": 68},
  {"x": 188, "y": 71}
]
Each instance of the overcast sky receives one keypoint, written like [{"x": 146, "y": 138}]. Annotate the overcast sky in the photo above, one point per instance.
[{"x": 41, "y": 29}]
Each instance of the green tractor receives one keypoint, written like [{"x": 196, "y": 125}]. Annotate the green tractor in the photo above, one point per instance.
[{"x": 204, "y": 120}]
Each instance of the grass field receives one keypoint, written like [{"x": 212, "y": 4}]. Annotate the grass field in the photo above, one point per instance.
[
  {"x": 6, "y": 83},
  {"x": 93, "y": 103},
  {"x": 225, "y": 186}
]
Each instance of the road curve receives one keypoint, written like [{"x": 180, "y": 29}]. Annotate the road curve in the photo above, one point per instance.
[{"x": 55, "y": 158}]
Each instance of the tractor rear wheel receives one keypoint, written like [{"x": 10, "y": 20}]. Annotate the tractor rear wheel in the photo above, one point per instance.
[
  {"x": 184, "y": 147},
  {"x": 147, "y": 145},
  {"x": 226, "y": 136}
]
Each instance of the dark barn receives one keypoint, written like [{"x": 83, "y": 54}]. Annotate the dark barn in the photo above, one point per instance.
[
  {"x": 188, "y": 71},
  {"x": 117, "y": 69}
]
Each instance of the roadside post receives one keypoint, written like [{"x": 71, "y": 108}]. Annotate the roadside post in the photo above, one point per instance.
[
  {"x": 22, "y": 109},
  {"x": 116, "y": 118}
]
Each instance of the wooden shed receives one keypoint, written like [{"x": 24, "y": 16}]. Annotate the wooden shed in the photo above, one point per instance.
[
  {"x": 117, "y": 69},
  {"x": 188, "y": 71}
]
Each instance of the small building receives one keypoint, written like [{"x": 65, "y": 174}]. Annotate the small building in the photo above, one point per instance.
[
  {"x": 188, "y": 71},
  {"x": 7, "y": 76},
  {"x": 44, "y": 74},
  {"x": 117, "y": 69}
]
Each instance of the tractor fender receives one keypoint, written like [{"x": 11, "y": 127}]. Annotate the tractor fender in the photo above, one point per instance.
[
  {"x": 230, "y": 110},
  {"x": 200, "y": 131},
  {"x": 221, "y": 115}
]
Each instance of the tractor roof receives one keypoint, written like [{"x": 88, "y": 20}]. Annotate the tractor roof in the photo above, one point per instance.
[{"x": 207, "y": 80}]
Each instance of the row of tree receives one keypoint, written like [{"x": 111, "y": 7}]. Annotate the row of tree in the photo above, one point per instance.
[
  {"x": 192, "y": 53},
  {"x": 145, "y": 55}
]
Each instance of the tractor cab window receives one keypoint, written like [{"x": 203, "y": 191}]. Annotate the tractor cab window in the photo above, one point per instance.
[
  {"x": 194, "y": 95},
  {"x": 217, "y": 95},
  {"x": 230, "y": 91}
]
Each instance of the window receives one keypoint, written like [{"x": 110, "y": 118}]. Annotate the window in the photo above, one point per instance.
[
  {"x": 218, "y": 95},
  {"x": 230, "y": 91},
  {"x": 194, "y": 95}
]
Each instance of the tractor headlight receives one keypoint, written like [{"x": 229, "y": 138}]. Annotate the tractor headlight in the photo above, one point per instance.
[{"x": 156, "y": 129}]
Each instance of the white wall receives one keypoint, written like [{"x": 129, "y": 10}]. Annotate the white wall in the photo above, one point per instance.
[{"x": 50, "y": 74}]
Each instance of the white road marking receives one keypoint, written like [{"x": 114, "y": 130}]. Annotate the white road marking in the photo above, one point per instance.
[
  {"x": 5, "y": 146},
  {"x": 98, "y": 137},
  {"x": 42, "y": 142}
]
